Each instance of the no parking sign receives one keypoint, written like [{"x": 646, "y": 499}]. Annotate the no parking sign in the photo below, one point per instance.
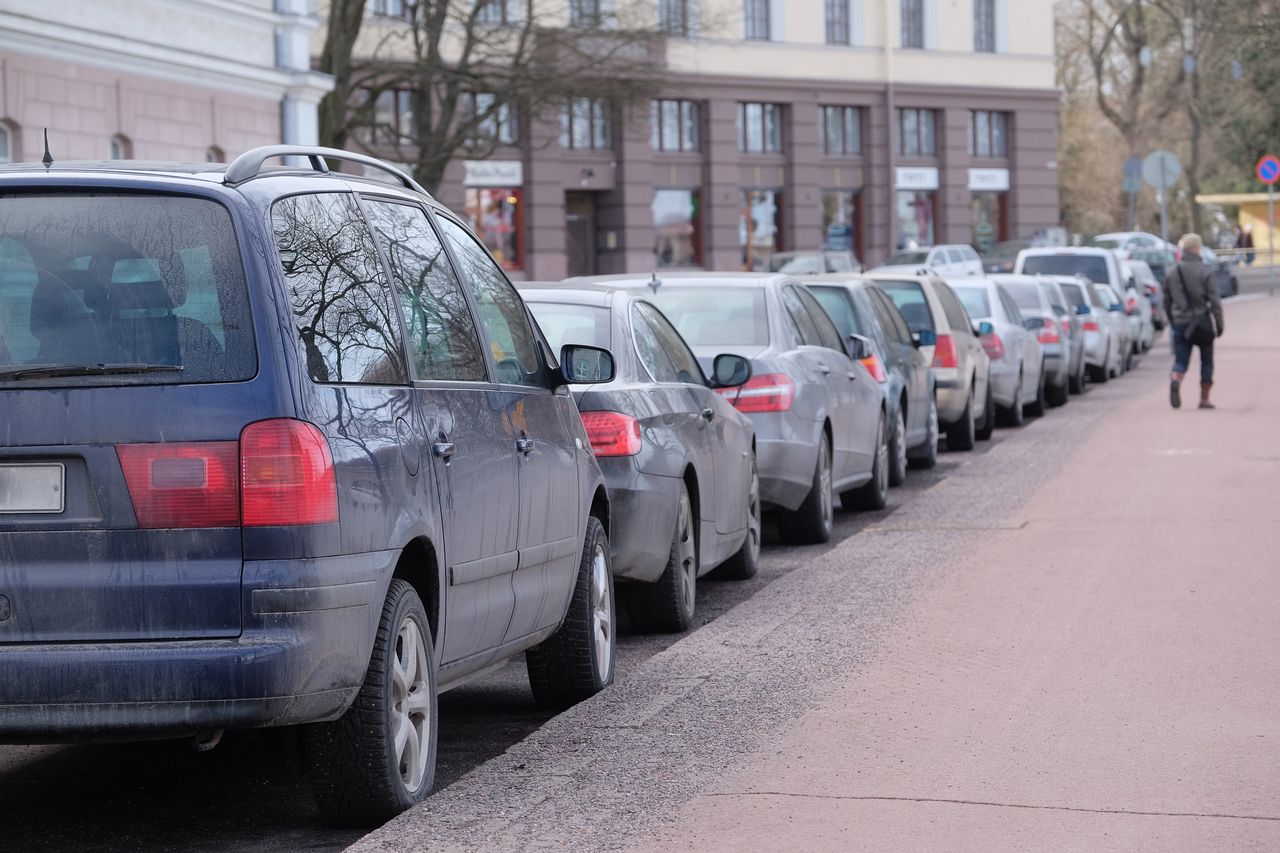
[{"x": 1268, "y": 169}]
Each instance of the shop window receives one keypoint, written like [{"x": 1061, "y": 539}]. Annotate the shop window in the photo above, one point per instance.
[
  {"x": 760, "y": 227},
  {"x": 760, "y": 128},
  {"x": 496, "y": 216},
  {"x": 841, "y": 130},
  {"x": 841, "y": 222},
  {"x": 585, "y": 124},
  {"x": 990, "y": 220},
  {"x": 916, "y": 137},
  {"x": 916, "y": 213},
  {"x": 677, "y": 225},
  {"x": 674, "y": 125},
  {"x": 988, "y": 133}
]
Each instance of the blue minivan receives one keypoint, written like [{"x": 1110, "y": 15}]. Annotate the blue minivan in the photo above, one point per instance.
[{"x": 281, "y": 446}]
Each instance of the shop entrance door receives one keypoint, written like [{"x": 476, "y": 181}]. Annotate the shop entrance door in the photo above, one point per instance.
[{"x": 580, "y": 232}]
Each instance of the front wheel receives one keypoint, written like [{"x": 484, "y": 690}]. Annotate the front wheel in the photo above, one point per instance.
[
  {"x": 667, "y": 606},
  {"x": 813, "y": 522},
  {"x": 875, "y": 493},
  {"x": 1015, "y": 415},
  {"x": 988, "y": 415},
  {"x": 898, "y": 450},
  {"x": 379, "y": 758},
  {"x": 1036, "y": 407},
  {"x": 926, "y": 455},
  {"x": 961, "y": 434},
  {"x": 576, "y": 662}
]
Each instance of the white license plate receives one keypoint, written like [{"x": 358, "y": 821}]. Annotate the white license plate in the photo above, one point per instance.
[{"x": 35, "y": 487}]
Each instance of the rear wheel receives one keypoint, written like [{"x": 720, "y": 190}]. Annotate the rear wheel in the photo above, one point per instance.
[
  {"x": 667, "y": 606},
  {"x": 989, "y": 415},
  {"x": 875, "y": 493},
  {"x": 812, "y": 523},
  {"x": 1036, "y": 407},
  {"x": 576, "y": 662},
  {"x": 1015, "y": 415},
  {"x": 746, "y": 562},
  {"x": 898, "y": 450},
  {"x": 379, "y": 758},
  {"x": 926, "y": 455},
  {"x": 1076, "y": 383},
  {"x": 960, "y": 435}
]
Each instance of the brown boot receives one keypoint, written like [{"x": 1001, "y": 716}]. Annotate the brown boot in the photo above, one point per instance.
[{"x": 1204, "y": 395}]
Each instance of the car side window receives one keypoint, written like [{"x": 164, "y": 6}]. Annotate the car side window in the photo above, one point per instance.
[
  {"x": 828, "y": 335},
  {"x": 338, "y": 294},
  {"x": 682, "y": 358},
  {"x": 900, "y": 327},
  {"x": 800, "y": 316},
  {"x": 1012, "y": 313},
  {"x": 502, "y": 313},
  {"x": 957, "y": 317},
  {"x": 444, "y": 343},
  {"x": 652, "y": 356},
  {"x": 884, "y": 316}
]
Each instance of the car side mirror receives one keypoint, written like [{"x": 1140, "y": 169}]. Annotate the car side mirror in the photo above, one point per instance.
[
  {"x": 860, "y": 347},
  {"x": 925, "y": 338},
  {"x": 584, "y": 365},
  {"x": 730, "y": 371},
  {"x": 1082, "y": 309},
  {"x": 983, "y": 329},
  {"x": 1116, "y": 308}
]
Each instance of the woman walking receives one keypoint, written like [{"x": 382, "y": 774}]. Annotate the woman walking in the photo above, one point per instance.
[{"x": 1194, "y": 310}]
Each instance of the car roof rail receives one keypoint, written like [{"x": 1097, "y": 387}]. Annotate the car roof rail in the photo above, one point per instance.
[{"x": 249, "y": 164}]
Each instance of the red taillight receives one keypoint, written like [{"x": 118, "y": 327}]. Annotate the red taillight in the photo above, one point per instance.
[
  {"x": 612, "y": 433},
  {"x": 767, "y": 392},
  {"x": 1151, "y": 290},
  {"x": 944, "y": 352},
  {"x": 1131, "y": 305},
  {"x": 993, "y": 345},
  {"x": 1092, "y": 326},
  {"x": 1049, "y": 332},
  {"x": 286, "y": 475},
  {"x": 875, "y": 368},
  {"x": 193, "y": 484}
]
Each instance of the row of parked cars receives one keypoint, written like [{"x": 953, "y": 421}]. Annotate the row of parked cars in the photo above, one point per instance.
[{"x": 285, "y": 447}]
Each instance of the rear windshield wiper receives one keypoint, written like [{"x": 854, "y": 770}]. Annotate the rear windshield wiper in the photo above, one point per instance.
[{"x": 40, "y": 371}]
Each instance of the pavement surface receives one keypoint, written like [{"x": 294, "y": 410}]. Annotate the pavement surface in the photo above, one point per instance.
[{"x": 1068, "y": 643}]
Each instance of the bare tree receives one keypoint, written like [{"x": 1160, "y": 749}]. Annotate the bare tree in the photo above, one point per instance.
[{"x": 341, "y": 34}]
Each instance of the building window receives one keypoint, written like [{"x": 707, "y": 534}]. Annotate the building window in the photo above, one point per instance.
[
  {"x": 675, "y": 18},
  {"x": 585, "y": 13},
  {"x": 392, "y": 119},
  {"x": 760, "y": 128},
  {"x": 916, "y": 133},
  {"x": 498, "y": 127},
  {"x": 214, "y": 154},
  {"x": 492, "y": 12},
  {"x": 913, "y": 23},
  {"x": 755, "y": 20},
  {"x": 6, "y": 145},
  {"x": 984, "y": 25},
  {"x": 990, "y": 220},
  {"x": 496, "y": 216},
  {"x": 585, "y": 123},
  {"x": 120, "y": 148},
  {"x": 837, "y": 21},
  {"x": 392, "y": 9},
  {"x": 841, "y": 222},
  {"x": 760, "y": 228},
  {"x": 988, "y": 133},
  {"x": 841, "y": 130},
  {"x": 677, "y": 225},
  {"x": 674, "y": 125},
  {"x": 916, "y": 213}
]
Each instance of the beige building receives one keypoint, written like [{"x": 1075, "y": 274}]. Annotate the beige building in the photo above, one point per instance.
[{"x": 788, "y": 124}]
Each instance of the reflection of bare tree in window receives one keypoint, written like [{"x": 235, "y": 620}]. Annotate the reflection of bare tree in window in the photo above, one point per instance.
[{"x": 338, "y": 297}]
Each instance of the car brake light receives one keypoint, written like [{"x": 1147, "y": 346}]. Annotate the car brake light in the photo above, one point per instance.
[
  {"x": 1091, "y": 326},
  {"x": 191, "y": 484},
  {"x": 612, "y": 433},
  {"x": 993, "y": 345},
  {"x": 286, "y": 475},
  {"x": 875, "y": 368},
  {"x": 767, "y": 392},
  {"x": 1131, "y": 305},
  {"x": 1151, "y": 290},
  {"x": 944, "y": 352},
  {"x": 1049, "y": 332}
]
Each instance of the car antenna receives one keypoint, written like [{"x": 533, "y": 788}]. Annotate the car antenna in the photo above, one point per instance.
[
  {"x": 654, "y": 282},
  {"x": 47, "y": 159}
]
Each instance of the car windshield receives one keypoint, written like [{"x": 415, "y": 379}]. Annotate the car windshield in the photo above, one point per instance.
[
  {"x": 1027, "y": 296},
  {"x": 796, "y": 264},
  {"x": 716, "y": 316},
  {"x": 908, "y": 258},
  {"x": 910, "y": 299},
  {"x": 975, "y": 301},
  {"x": 1093, "y": 267},
  {"x": 1108, "y": 243},
  {"x": 1008, "y": 249},
  {"x": 564, "y": 323},
  {"x": 143, "y": 288}
]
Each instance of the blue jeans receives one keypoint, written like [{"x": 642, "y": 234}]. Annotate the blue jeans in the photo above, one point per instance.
[{"x": 1182, "y": 353}]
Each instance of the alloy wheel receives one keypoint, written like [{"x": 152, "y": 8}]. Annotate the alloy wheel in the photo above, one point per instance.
[
  {"x": 753, "y": 514},
  {"x": 411, "y": 704},
  {"x": 687, "y": 550},
  {"x": 601, "y": 612}
]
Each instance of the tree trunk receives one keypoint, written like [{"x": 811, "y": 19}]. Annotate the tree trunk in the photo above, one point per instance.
[{"x": 345, "y": 18}]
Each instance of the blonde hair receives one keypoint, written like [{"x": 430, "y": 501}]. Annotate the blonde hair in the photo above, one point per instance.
[{"x": 1191, "y": 243}]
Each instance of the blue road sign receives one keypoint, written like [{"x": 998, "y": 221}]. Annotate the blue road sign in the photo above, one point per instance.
[{"x": 1268, "y": 169}]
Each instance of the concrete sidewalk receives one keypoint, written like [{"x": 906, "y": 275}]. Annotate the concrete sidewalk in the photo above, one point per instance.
[{"x": 1100, "y": 674}]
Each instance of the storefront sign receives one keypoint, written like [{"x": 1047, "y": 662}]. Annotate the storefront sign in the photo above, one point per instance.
[
  {"x": 493, "y": 173},
  {"x": 916, "y": 178},
  {"x": 989, "y": 180}
]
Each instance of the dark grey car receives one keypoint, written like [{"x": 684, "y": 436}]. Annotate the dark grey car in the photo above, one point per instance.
[
  {"x": 859, "y": 307},
  {"x": 678, "y": 459},
  {"x": 821, "y": 424}
]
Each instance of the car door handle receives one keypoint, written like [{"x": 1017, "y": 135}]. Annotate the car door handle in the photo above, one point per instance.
[
  {"x": 524, "y": 444},
  {"x": 708, "y": 415},
  {"x": 852, "y": 376},
  {"x": 823, "y": 367},
  {"x": 444, "y": 449}
]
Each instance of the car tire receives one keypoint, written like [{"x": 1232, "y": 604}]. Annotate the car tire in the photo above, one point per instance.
[
  {"x": 874, "y": 494},
  {"x": 577, "y": 661},
  {"x": 898, "y": 450},
  {"x": 925, "y": 456},
  {"x": 1076, "y": 384},
  {"x": 961, "y": 434},
  {"x": 744, "y": 564},
  {"x": 667, "y": 605},
  {"x": 359, "y": 777},
  {"x": 1036, "y": 408},
  {"x": 988, "y": 425},
  {"x": 814, "y": 521},
  {"x": 1058, "y": 395}
]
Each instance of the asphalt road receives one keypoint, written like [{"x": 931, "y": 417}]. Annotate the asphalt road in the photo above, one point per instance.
[{"x": 249, "y": 793}]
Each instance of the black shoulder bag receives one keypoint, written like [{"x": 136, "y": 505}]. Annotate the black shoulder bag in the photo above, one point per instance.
[{"x": 1203, "y": 331}]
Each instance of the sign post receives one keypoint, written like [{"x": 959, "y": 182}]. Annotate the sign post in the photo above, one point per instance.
[
  {"x": 1132, "y": 185},
  {"x": 1161, "y": 169},
  {"x": 1268, "y": 171}
]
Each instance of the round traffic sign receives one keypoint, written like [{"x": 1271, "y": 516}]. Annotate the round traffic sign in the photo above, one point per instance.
[
  {"x": 1161, "y": 169},
  {"x": 1268, "y": 169}
]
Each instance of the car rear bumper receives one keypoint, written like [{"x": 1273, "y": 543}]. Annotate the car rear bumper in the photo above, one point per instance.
[
  {"x": 642, "y": 518},
  {"x": 786, "y": 469},
  {"x": 952, "y": 396},
  {"x": 301, "y": 658}
]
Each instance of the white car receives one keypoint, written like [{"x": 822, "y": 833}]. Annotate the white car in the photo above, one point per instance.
[
  {"x": 949, "y": 261},
  {"x": 1128, "y": 242}
]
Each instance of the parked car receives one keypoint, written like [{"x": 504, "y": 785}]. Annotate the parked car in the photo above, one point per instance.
[
  {"x": 239, "y": 492},
  {"x": 1101, "y": 349},
  {"x": 1017, "y": 360},
  {"x": 821, "y": 422},
  {"x": 952, "y": 260},
  {"x": 859, "y": 307},
  {"x": 1223, "y": 272},
  {"x": 1139, "y": 275},
  {"x": 1161, "y": 261},
  {"x": 1141, "y": 317},
  {"x": 1004, "y": 255},
  {"x": 678, "y": 459},
  {"x": 1129, "y": 242},
  {"x": 813, "y": 263},
  {"x": 961, "y": 368},
  {"x": 1121, "y": 327},
  {"x": 1045, "y": 312}
]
